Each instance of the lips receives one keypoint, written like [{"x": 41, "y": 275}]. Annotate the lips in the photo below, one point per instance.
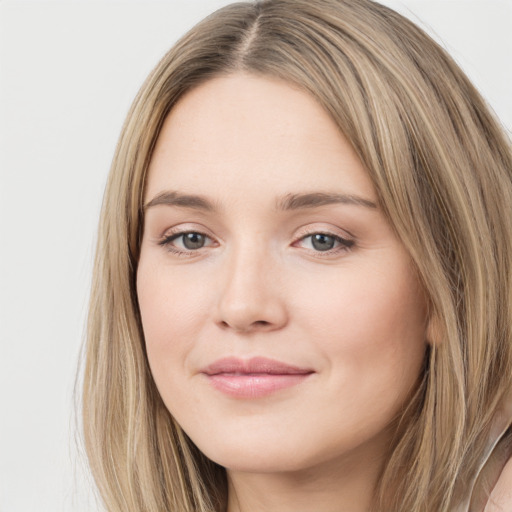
[{"x": 253, "y": 378}]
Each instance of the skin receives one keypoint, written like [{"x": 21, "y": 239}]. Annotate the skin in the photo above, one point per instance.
[
  {"x": 493, "y": 492},
  {"x": 354, "y": 315},
  {"x": 500, "y": 499}
]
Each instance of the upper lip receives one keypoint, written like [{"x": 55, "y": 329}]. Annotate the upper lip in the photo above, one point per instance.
[{"x": 255, "y": 365}]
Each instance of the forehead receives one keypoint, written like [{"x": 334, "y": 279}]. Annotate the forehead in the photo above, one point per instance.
[{"x": 253, "y": 134}]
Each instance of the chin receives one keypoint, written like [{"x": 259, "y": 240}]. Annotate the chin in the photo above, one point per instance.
[{"x": 256, "y": 456}]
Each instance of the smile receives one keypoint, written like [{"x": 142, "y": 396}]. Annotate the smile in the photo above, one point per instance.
[{"x": 253, "y": 378}]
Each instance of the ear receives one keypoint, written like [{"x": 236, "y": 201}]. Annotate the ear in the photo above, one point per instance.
[{"x": 433, "y": 333}]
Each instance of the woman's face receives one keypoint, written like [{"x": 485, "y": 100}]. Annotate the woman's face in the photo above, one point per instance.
[{"x": 284, "y": 324}]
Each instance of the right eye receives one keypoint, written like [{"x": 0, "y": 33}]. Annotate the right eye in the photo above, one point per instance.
[{"x": 186, "y": 241}]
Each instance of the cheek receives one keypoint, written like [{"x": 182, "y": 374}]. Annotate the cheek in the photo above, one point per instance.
[
  {"x": 370, "y": 326},
  {"x": 172, "y": 307}
]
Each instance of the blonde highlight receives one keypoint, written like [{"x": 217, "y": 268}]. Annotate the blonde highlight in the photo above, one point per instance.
[{"x": 442, "y": 168}]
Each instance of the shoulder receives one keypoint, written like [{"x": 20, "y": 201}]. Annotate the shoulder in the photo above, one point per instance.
[{"x": 500, "y": 499}]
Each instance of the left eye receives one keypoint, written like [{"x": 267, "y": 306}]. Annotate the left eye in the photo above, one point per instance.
[{"x": 323, "y": 242}]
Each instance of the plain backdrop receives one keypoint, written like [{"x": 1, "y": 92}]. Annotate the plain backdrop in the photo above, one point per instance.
[{"x": 68, "y": 73}]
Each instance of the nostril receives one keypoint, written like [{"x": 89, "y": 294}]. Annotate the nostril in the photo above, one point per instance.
[
  {"x": 246, "y": 312},
  {"x": 257, "y": 324}
]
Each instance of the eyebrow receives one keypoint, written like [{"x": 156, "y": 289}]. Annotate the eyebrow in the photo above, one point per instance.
[
  {"x": 316, "y": 199},
  {"x": 286, "y": 203},
  {"x": 184, "y": 200}
]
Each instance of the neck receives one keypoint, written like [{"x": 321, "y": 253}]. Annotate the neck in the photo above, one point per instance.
[{"x": 331, "y": 487}]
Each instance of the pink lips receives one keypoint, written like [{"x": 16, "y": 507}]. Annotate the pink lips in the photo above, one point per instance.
[{"x": 253, "y": 378}]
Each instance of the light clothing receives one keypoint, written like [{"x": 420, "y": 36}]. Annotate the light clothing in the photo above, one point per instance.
[{"x": 496, "y": 469}]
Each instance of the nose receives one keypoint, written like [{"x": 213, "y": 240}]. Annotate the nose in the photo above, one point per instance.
[{"x": 251, "y": 298}]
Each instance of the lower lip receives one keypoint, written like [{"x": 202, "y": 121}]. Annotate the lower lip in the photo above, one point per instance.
[{"x": 254, "y": 385}]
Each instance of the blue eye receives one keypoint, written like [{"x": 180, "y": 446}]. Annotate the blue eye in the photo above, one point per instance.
[
  {"x": 193, "y": 241},
  {"x": 324, "y": 242},
  {"x": 186, "y": 241}
]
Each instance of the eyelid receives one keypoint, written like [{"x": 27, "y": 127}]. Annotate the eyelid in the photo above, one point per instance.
[
  {"x": 322, "y": 227},
  {"x": 183, "y": 228},
  {"x": 173, "y": 233},
  {"x": 312, "y": 229},
  {"x": 346, "y": 243}
]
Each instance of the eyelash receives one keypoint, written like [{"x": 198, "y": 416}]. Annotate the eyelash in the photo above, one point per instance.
[
  {"x": 166, "y": 242},
  {"x": 345, "y": 244}
]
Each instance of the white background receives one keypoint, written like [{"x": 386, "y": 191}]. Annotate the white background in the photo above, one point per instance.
[{"x": 68, "y": 73}]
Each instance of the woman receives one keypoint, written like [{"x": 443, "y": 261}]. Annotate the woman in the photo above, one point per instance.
[{"x": 302, "y": 295}]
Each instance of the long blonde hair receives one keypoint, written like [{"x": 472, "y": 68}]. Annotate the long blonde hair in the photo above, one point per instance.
[{"x": 442, "y": 168}]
